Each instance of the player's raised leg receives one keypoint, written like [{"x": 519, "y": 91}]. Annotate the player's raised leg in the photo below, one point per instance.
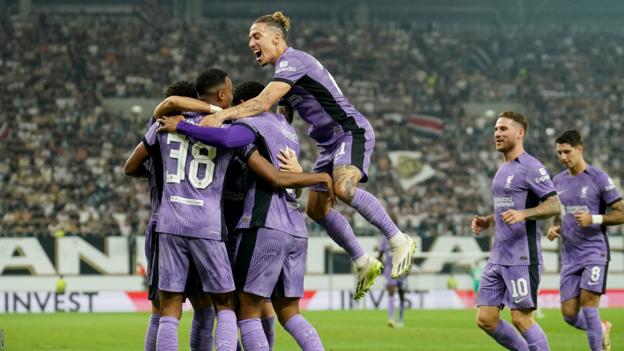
[
  {"x": 338, "y": 228},
  {"x": 346, "y": 179}
]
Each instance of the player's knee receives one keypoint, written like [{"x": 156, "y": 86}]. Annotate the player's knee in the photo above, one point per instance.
[
  {"x": 317, "y": 212},
  {"x": 522, "y": 322},
  {"x": 344, "y": 189},
  {"x": 486, "y": 323}
]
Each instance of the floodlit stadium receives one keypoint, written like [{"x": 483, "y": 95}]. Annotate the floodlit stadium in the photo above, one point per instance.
[{"x": 314, "y": 175}]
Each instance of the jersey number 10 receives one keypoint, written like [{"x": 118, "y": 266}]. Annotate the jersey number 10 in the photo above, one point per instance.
[{"x": 181, "y": 154}]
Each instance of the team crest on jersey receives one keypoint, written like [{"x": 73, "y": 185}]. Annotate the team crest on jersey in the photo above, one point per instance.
[
  {"x": 508, "y": 181},
  {"x": 584, "y": 192},
  {"x": 611, "y": 185}
]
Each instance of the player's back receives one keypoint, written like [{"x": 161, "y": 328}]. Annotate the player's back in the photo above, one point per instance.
[
  {"x": 266, "y": 206},
  {"x": 591, "y": 191},
  {"x": 193, "y": 176},
  {"x": 317, "y": 98},
  {"x": 519, "y": 184}
]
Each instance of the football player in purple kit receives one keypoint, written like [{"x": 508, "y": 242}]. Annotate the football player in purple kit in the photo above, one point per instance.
[
  {"x": 189, "y": 230},
  {"x": 523, "y": 193},
  {"x": 272, "y": 245},
  {"x": 586, "y": 193},
  {"x": 398, "y": 285},
  {"x": 148, "y": 162},
  {"x": 345, "y": 138}
]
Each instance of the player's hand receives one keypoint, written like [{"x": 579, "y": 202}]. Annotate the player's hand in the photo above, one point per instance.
[
  {"x": 210, "y": 121},
  {"x": 479, "y": 224},
  {"x": 329, "y": 185},
  {"x": 553, "y": 232},
  {"x": 169, "y": 124},
  {"x": 288, "y": 161},
  {"x": 583, "y": 219},
  {"x": 513, "y": 216}
]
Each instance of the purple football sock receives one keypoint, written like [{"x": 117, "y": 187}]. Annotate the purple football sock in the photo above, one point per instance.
[
  {"x": 268, "y": 324},
  {"x": 390, "y": 307},
  {"x": 370, "y": 208},
  {"x": 252, "y": 335},
  {"x": 594, "y": 328},
  {"x": 304, "y": 333},
  {"x": 506, "y": 335},
  {"x": 536, "y": 338},
  {"x": 167, "y": 339},
  {"x": 152, "y": 332},
  {"x": 201, "y": 329},
  {"x": 226, "y": 334},
  {"x": 339, "y": 229},
  {"x": 577, "y": 321}
]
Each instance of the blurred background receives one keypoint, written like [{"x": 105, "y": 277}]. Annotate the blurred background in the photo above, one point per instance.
[{"x": 79, "y": 81}]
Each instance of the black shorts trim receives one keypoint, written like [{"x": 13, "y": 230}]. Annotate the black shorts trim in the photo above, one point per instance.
[
  {"x": 244, "y": 255},
  {"x": 535, "y": 280},
  {"x": 152, "y": 281}
]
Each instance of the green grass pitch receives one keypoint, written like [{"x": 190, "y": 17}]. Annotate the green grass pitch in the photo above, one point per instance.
[{"x": 340, "y": 330}]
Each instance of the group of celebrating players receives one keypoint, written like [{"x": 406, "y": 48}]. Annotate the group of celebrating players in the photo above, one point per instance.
[
  {"x": 227, "y": 233},
  {"x": 226, "y": 230}
]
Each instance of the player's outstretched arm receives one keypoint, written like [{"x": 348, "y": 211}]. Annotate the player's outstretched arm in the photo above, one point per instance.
[
  {"x": 229, "y": 138},
  {"x": 134, "y": 164},
  {"x": 261, "y": 103},
  {"x": 282, "y": 180},
  {"x": 290, "y": 163},
  {"x": 181, "y": 103}
]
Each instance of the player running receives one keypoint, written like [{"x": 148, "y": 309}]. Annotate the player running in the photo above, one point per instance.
[
  {"x": 523, "y": 193},
  {"x": 586, "y": 193}
]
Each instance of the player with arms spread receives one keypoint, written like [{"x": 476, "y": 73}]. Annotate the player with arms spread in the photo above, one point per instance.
[
  {"x": 586, "y": 193},
  {"x": 344, "y": 135},
  {"x": 523, "y": 193}
]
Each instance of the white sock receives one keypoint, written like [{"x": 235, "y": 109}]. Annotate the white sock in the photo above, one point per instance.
[
  {"x": 398, "y": 239},
  {"x": 361, "y": 261}
]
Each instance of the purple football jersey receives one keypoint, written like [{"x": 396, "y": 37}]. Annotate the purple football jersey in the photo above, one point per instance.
[
  {"x": 266, "y": 206},
  {"x": 154, "y": 177},
  {"x": 193, "y": 175},
  {"x": 318, "y": 99},
  {"x": 591, "y": 191},
  {"x": 519, "y": 184}
]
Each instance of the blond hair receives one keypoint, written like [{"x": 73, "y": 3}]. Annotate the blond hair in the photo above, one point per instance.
[{"x": 277, "y": 20}]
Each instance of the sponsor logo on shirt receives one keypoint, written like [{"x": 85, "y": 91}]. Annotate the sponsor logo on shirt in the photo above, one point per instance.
[
  {"x": 584, "y": 192},
  {"x": 506, "y": 201},
  {"x": 289, "y": 135},
  {"x": 543, "y": 177},
  {"x": 508, "y": 181},
  {"x": 284, "y": 67},
  {"x": 574, "y": 209}
]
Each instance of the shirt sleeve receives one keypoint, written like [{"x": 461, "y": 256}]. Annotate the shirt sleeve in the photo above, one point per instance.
[
  {"x": 539, "y": 182},
  {"x": 609, "y": 193},
  {"x": 289, "y": 69},
  {"x": 151, "y": 136},
  {"x": 229, "y": 138}
]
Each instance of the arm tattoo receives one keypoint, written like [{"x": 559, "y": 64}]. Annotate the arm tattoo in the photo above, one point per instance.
[
  {"x": 616, "y": 214},
  {"x": 550, "y": 207}
]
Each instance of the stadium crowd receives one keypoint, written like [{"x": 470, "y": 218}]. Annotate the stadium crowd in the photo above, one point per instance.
[{"x": 63, "y": 152}]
